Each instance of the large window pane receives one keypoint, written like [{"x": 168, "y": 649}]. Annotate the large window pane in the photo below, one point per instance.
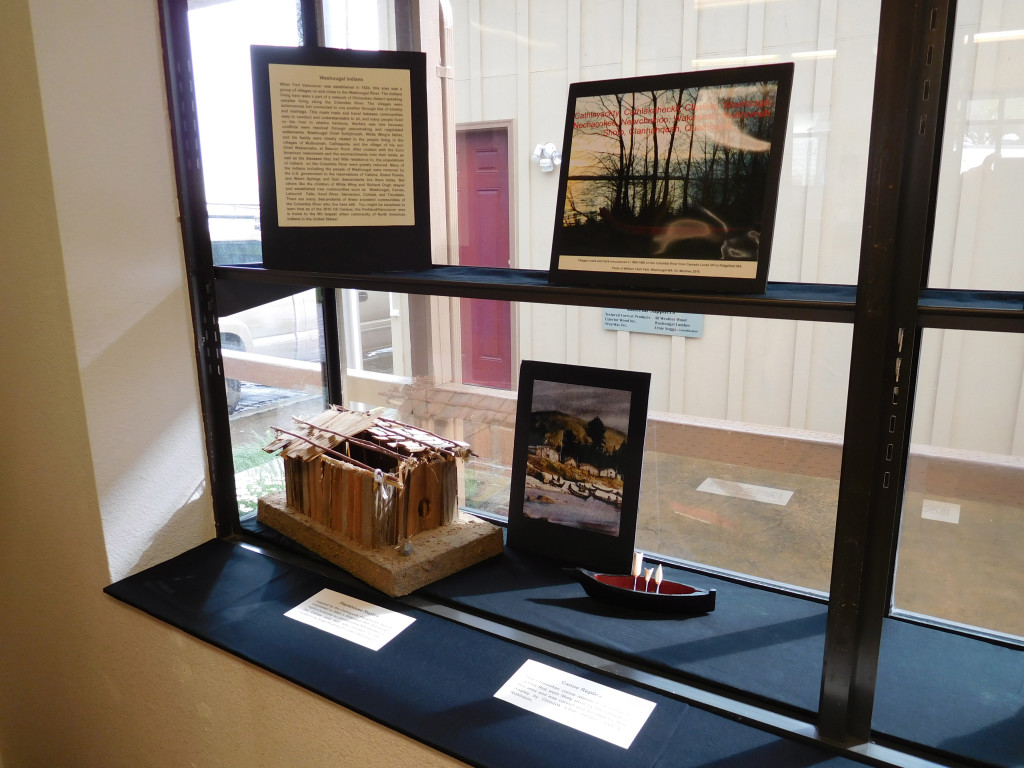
[
  {"x": 961, "y": 556},
  {"x": 220, "y": 35},
  {"x": 365, "y": 25},
  {"x": 960, "y": 563},
  {"x": 374, "y": 325},
  {"x": 743, "y": 445},
  {"x": 977, "y": 244},
  {"x": 510, "y": 66},
  {"x": 273, "y": 363}
]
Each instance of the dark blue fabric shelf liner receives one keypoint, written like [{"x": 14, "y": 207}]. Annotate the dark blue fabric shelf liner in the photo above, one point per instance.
[
  {"x": 958, "y": 694},
  {"x": 434, "y": 682},
  {"x": 766, "y": 644}
]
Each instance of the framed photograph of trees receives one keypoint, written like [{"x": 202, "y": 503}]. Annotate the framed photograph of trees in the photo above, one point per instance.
[
  {"x": 576, "y": 464},
  {"x": 672, "y": 180}
]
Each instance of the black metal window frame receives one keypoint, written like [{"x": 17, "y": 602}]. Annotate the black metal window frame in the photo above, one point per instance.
[{"x": 888, "y": 308}]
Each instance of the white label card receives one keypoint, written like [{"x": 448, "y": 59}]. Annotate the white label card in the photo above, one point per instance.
[
  {"x": 347, "y": 617},
  {"x": 590, "y": 707}
]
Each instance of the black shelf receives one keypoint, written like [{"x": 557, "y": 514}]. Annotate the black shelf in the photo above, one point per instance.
[
  {"x": 796, "y": 301},
  {"x": 971, "y": 310},
  {"x": 937, "y": 308}
]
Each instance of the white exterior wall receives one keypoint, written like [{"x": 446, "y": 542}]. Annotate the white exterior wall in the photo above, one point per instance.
[
  {"x": 514, "y": 61},
  {"x": 757, "y": 371},
  {"x": 973, "y": 395}
]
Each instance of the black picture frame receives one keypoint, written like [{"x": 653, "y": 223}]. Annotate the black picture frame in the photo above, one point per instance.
[
  {"x": 351, "y": 228},
  {"x": 671, "y": 181},
  {"x": 562, "y": 407}
]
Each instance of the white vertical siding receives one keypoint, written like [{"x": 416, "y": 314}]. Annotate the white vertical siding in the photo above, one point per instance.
[
  {"x": 515, "y": 60},
  {"x": 970, "y": 395}
]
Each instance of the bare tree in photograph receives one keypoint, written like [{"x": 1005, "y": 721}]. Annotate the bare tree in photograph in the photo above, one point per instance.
[{"x": 671, "y": 172}]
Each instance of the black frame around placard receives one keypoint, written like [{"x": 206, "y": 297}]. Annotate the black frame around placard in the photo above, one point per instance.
[
  {"x": 587, "y": 548},
  {"x": 706, "y": 234},
  {"x": 347, "y": 249}
]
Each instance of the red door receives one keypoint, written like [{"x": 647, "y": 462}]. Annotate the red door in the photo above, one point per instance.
[{"x": 482, "y": 167}]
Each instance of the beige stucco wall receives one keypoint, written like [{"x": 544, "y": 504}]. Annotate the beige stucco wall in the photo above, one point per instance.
[{"x": 101, "y": 464}]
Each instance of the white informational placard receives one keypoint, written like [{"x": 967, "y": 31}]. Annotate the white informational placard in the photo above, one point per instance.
[
  {"x": 347, "y": 617},
  {"x": 342, "y": 146},
  {"x": 590, "y": 707}
]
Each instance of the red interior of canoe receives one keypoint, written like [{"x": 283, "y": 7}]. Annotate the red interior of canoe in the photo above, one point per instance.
[{"x": 626, "y": 582}]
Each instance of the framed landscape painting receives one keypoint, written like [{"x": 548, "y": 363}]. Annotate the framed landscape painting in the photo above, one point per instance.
[
  {"x": 576, "y": 464},
  {"x": 671, "y": 181}
]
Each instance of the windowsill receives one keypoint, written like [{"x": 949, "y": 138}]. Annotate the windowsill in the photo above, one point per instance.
[{"x": 234, "y": 597}]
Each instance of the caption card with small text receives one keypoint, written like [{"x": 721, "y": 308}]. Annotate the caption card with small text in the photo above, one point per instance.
[
  {"x": 587, "y": 706},
  {"x": 347, "y": 617}
]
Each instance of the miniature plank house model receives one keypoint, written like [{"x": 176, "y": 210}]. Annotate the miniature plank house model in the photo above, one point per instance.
[
  {"x": 378, "y": 498},
  {"x": 369, "y": 480}
]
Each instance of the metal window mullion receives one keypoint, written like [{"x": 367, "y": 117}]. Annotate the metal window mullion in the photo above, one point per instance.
[
  {"x": 914, "y": 40},
  {"x": 930, "y": 83},
  {"x": 331, "y": 335},
  {"x": 311, "y": 23},
  {"x": 199, "y": 261},
  {"x": 312, "y": 34}
]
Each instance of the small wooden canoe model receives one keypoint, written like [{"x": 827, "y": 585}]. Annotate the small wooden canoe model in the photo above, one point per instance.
[{"x": 627, "y": 591}]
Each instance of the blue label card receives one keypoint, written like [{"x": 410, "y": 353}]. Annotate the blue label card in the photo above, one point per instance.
[{"x": 648, "y": 321}]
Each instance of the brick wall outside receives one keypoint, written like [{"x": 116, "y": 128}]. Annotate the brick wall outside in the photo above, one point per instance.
[{"x": 487, "y": 422}]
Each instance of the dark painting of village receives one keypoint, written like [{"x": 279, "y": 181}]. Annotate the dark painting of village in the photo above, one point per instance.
[
  {"x": 577, "y": 448},
  {"x": 671, "y": 180}
]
